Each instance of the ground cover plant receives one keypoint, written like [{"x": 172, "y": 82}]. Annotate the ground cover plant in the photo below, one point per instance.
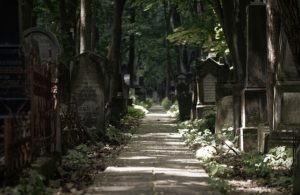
[{"x": 233, "y": 171}]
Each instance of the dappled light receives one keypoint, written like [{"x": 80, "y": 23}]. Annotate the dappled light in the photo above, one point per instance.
[
  {"x": 155, "y": 161},
  {"x": 149, "y": 97}
]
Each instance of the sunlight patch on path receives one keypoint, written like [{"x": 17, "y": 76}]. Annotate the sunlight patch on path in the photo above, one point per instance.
[{"x": 156, "y": 161}]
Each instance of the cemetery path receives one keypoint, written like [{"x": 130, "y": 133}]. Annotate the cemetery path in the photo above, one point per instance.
[{"x": 156, "y": 161}]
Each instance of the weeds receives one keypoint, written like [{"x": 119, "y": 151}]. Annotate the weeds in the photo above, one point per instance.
[{"x": 222, "y": 160}]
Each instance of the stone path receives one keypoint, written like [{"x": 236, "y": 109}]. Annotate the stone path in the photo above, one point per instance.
[{"x": 156, "y": 161}]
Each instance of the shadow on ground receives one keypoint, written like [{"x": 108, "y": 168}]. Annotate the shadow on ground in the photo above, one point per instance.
[{"x": 156, "y": 161}]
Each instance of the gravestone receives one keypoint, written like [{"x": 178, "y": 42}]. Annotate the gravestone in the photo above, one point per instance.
[
  {"x": 42, "y": 52},
  {"x": 88, "y": 90},
  {"x": 253, "y": 97},
  {"x": 286, "y": 125},
  {"x": 210, "y": 74},
  {"x": 224, "y": 117},
  {"x": 184, "y": 97}
]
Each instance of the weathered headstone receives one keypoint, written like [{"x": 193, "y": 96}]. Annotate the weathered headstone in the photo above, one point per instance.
[
  {"x": 88, "y": 90},
  {"x": 210, "y": 74},
  {"x": 253, "y": 104},
  {"x": 42, "y": 52},
  {"x": 224, "y": 117},
  {"x": 285, "y": 128}
]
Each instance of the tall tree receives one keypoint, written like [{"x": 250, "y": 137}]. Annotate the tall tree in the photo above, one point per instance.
[
  {"x": 85, "y": 25},
  {"x": 114, "y": 55}
]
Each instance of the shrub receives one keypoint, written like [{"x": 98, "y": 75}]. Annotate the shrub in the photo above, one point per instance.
[
  {"x": 174, "y": 110},
  {"x": 147, "y": 103},
  {"x": 137, "y": 111},
  {"x": 166, "y": 103},
  {"x": 31, "y": 182}
]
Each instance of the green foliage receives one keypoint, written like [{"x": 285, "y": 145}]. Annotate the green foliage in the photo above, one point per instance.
[
  {"x": 279, "y": 158},
  {"x": 255, "y": 165},
  {"x": 137, "y": 111},
  {"x": 147, "y": 103},
  {"x": 174, "y": 110},
  {"x": 166, "y": 103},
  {"x": 77, "y": 157},
  {"x": 221, "y": 185},
  {"x": 31, "y": 182},
  {"x": 203, "y": 29}
]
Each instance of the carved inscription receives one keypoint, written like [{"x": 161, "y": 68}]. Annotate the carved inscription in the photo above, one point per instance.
[{"x": 209, "y": 88}]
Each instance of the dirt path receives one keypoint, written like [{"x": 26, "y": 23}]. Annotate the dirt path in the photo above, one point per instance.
[{"x": 156, "y": 161}]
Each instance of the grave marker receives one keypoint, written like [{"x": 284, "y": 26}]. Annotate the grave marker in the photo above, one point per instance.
[{"x": 88, "y": 90}]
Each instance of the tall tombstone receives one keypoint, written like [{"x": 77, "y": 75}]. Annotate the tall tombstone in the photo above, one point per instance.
[
  {"x": 88, "y": 90},
  {"x": 224, "y": 102},
  {"x": 42, "y": 52},
  {"x": 209, "y": 74},
  {"x": 184, "y": 97},
  {"x": 253, "y": 101},
  {"x": 286, "y": 125}
]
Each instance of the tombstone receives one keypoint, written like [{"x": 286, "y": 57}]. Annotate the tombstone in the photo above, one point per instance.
[
  {"x": 184, "y": 97},
  {"x": 253, "y": 97},
  {"x": 286, "y": 128},
  {"x": 42, "y": 52},
  {"x": 209, "y": 74},
  {"x": 224, "y": 116},
  {"x": 88, "y": 90}
]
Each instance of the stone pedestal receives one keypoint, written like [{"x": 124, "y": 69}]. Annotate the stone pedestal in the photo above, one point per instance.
[
  {"x": 253, "y": 114},
  {"x": 248, "y": 137},
  {"x": 224, "y": 117}
]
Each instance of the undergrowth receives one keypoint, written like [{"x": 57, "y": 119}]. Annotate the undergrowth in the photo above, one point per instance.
[
  {"x": 222, "y": 160},
  {"x": 79, "y": 165}
]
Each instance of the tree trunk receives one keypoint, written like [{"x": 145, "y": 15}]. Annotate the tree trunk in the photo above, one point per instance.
[
  {"x": 167, "y": 15},
  {"x": 273, "y": 31},
  {"x": 114, "y": 55},
  {"x": 131, "y": 60},
  {"x": 85, "y": 25}
]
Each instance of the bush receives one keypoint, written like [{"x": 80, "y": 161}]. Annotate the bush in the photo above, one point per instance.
[
  {"x": 166, "y": 103},
  {"x": 147, "y": 103},
  {"x": 137, "y": 111},
  {"x": 31, "y": 182},
  {"x": 174, "y": 110}
]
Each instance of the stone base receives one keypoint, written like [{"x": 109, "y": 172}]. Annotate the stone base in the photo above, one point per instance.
[{"x": 248, "y": 139}]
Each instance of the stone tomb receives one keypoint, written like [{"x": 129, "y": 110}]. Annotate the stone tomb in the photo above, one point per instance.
[
  {"x": 209, "y": 74},
  {"x": 286, "y": 129},
  {"x": 253, "y": 97},
  {"x": 88, "y": 90}
]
